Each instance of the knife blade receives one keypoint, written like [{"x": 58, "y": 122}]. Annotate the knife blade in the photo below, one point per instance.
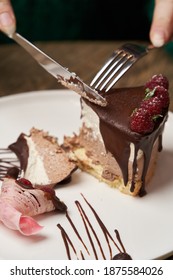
[{"x": 65, "y": 77}]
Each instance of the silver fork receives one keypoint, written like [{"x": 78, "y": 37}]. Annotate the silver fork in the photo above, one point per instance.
[{"x": 116, "y": 66}]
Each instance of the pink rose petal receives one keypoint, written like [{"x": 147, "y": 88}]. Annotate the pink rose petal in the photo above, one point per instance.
[
  {"x": 13, "y": 219},
  {"x": 29, "y": 226}
]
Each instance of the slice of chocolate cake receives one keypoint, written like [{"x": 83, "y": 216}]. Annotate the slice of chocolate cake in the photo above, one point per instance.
[
  {"x": 119, "y": 143},
  {"x": 42, "y": 159}
]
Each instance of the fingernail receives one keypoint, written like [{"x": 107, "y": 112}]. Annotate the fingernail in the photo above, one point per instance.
[
  {"x": 158, "y": 40},
  {"x": 7, "y": 23},
  {"x": 5, "y": 19}
]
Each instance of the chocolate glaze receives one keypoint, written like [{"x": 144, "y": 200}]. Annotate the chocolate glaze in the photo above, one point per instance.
[
  {"x": 20, "y": 148},
  {"x": 50, "y": 194},
  {"x": 13, "y": 172},
  {"x": 116, "y": 133}
]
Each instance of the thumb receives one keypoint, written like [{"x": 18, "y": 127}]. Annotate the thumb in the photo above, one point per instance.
[
  {"x": 7, "y": 17},
  {"x": 162, "y": 25}
]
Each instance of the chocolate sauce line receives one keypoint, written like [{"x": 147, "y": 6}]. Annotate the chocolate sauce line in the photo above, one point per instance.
[
  {"x": 82, "y": 256},
  {"x": 85, "y": 221},
  {"x": 103, "y": 228},
  {"x": 36, "y": 199},
  {"x": 76, "y": 232},
  {"x": 68, "y": 243},
  {"x": 147, "y": 154},
  {"x": 6, "y": 162},
  {"x": 119, "y": 240},
  {"x": 160, "y": 147},
  {"x": 3, "y": 168},
  {"x": 5, "y": 151}
]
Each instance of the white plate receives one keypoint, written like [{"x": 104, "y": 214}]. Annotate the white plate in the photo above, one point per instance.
[{"x": 145, "y": 224}]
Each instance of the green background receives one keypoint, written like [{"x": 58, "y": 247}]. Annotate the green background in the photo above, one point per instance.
[
  {"x": 41, "y": 20},
  {"x": 82, "y": 19}
]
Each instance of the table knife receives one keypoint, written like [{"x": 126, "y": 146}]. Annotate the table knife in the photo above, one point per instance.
[{"x": 65, "y": 77}]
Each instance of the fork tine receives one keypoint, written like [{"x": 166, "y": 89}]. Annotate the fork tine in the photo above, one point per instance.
[
  {"x": 118, "y": 73},
  {"x": 120, "y": 61},
  {"x": 105, "y": 66},
  {"x": 121, "y": 73},
  {"x": 116, "y": 69},
  {"x": 109, "y": 68}
]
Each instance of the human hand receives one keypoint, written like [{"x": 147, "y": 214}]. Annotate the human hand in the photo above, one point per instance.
[
  {"x": 162, "y": 24},
  {"x": 7, "y": 17}
]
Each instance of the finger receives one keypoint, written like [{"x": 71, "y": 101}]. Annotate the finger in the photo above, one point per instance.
[
  {"x": 162, "y": 25},
  {"x": 7, "y": 17}
]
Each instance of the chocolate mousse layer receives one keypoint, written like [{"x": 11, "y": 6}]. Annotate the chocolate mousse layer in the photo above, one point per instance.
[{"x": 42, "y": 159}]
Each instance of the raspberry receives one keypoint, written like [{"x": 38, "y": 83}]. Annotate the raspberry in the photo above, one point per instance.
[
  {"x": 141, "y": 121},
  {"x": 25, "y": 183},
  {"x": 157, "y": 80},
  {"x": 163, "y": 95},
  {"x": 153, "y": 105}
]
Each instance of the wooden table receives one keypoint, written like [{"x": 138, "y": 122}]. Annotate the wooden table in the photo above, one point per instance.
[{"x": 20, "y": 73}]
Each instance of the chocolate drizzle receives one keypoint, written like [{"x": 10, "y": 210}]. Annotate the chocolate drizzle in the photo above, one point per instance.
[
  {"x": 93, "y": 238},
  {"x": 116, "y": 133},
  {"x": 9, "y": 165}
]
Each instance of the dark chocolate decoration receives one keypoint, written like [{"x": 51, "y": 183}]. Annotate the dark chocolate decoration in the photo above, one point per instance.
[
  {"x": 92, "y": 235},
  {"x": 20, "y": 148}
]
